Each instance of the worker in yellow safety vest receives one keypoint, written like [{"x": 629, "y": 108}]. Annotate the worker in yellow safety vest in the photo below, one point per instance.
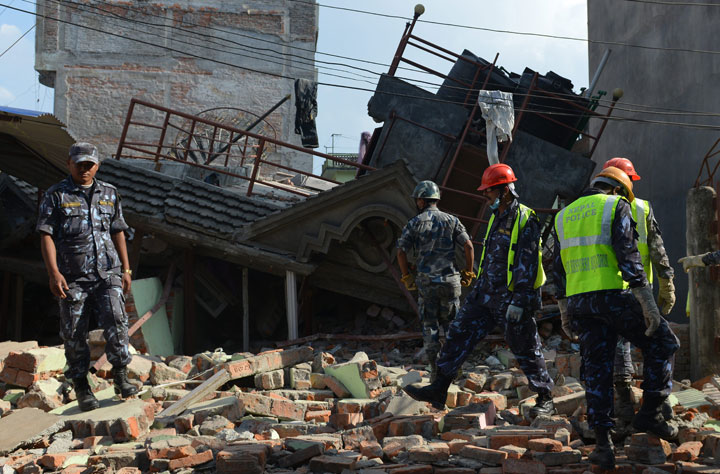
[{"x": 603, "y": 293}]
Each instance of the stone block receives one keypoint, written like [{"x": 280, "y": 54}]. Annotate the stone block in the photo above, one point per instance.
[
  {"x": 371, "y": 449},
  {"x": 191, "y": 461},
  {"x": 429, "y": 453},
  {"x": 343, "y": 421},
  {"x": 37, "y": 361},
  {"x": 486, "y": 456},
  {"x": 300, "y": 457},
  {"x": 501, "y": 381},
  {"x": 180, "y": 362},
  {"x": 268, "y": 361},
  {"x": 353, "y": 437},
  {"x": 214, "y": 424},
  {"x": 475, "y": 415},
  {"x": 247, "y": 458},
  {"x": 337, "y": 387},
  {"x": 523, "y": 466},
  {"x": 647, "y": 449},
  {"x": 475, "y": 381},
  {"x": 545, "y": 445},
  {"x": 318, "y": 416},
  {"x": 497, "y": 441},
  {"x": 25, "y": 427},
  {"x": 231, "y": 408},
  {"x": 513, "y": 452},
  {"x": 688, "y": 451},
  {"x": 499, "y": 400},
  {"x": 334, "y": 464},
  {"x": 317, "y": 381},
  {"x": 557, "y": 458},
  {"x": 161, "y": 373},
  {"x": 299, "y": 378},
  {"x": 566, "y": 405}
]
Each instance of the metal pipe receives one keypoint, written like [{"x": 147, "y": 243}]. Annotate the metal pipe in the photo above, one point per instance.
[{"x": 598, "y": 71}]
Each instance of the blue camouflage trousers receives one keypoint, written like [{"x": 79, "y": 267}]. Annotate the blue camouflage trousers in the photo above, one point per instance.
[
  {"x": 104, "y": 299},
  {"x": 475, "y": 321},
  {"x": 437, "y": 304},
  {"x": 598, "y": 335},
  {"x": 623, "y": 361}
]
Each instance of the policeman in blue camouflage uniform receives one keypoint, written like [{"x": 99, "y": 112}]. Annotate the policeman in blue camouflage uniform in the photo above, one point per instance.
[
  {"x": 505, "y": 294},
  {"x": 433, "y": 236},
  {"x": 603, "y": 292},
  {"x": 652, "y": 251},
  {"x": 83, "y": 245}
]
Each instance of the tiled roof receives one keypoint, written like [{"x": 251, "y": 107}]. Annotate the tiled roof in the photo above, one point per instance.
[{"x": 184, "y": 202}]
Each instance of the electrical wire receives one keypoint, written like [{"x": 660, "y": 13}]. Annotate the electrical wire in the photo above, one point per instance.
[
  {"x": 16, "y": 41},
  {"x": 348, "y": 87},
  {"x": 666, "y": 111},
  {"x": 512, "y": 32},
  {"x": 3, "y": 10}
]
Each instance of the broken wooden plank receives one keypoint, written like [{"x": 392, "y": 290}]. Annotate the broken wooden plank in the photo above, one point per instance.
[{"x": 197, "y": 394}]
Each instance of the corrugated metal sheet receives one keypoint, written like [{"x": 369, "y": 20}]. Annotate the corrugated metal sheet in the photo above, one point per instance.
[{"x": 33, "y": 146}]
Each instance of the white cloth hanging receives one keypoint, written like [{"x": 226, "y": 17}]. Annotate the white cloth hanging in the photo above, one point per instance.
[{"x": 498, "y": 111}]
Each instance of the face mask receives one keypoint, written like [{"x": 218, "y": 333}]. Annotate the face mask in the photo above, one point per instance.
[{"x": 495, "y": 204}]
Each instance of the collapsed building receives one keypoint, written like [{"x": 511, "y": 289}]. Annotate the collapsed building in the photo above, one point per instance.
[{"x": 222, "y": 229}]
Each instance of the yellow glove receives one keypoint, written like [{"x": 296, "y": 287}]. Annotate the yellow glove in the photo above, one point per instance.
[
  {"x": 692, "y": 261},
  {"x": 466, "y": 278},
  {"x": 666, "y": 295},
  {"x": 409, "y": 281}
]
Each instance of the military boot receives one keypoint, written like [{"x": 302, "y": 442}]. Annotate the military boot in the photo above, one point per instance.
[
  {"x": 435, "y": 393},
  {"x": 650, "y": 419},
  {"x": 85, "y": 397},
  {"x": 123, "y": 387},
  {"x": 667, "y": 410},
  {"x": 624, "y": 407},
  {"x": 604, "y": 453},
  {"x": 544, "y": 405}
]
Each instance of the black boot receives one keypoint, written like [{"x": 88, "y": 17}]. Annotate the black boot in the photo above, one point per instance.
[
  {"x": 543, "y": 405},
  {"x": 667, "y": 410},
  {"x": 85, "y": 397},
  {"x": 604, "y": 454},
  {"x": 122, "y": 384},
  {"x": 624, "y": 408},
  {"x": 435, "y": 393},
  {"x": 650, "y": 419}
]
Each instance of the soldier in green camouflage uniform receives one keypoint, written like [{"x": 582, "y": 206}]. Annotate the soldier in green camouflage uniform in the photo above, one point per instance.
[{"x": 432, "y": 236}]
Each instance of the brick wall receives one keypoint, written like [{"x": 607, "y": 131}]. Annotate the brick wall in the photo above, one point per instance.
[{"x": 95, "y": 75}]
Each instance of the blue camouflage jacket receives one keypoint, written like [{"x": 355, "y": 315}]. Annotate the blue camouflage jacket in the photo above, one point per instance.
[
  {"x": 432, "y": 235},
  {"x": 81, "y": 228},
  {"x": 624, "y": 242}
]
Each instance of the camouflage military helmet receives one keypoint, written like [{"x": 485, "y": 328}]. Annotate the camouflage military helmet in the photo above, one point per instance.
[{"x": 426, "y": 190}]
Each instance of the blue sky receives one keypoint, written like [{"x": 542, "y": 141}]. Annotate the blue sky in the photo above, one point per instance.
[{"x": 342, "y": 111}]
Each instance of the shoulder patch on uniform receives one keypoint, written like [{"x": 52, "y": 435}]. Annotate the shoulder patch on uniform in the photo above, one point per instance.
[
  {"x": 71, "y": 204},
  {"x": 106, "y": 203}
]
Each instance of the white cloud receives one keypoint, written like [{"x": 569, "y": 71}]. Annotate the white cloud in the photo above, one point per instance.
[
  {"x": 9, "y": 31},
  {"x": 6, "y": 96}
]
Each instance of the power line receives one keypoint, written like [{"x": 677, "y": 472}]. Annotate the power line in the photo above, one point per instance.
[
  {"x": 245, "y": 47},
  {"x": 699, "y": 126},
  {"x": 16, "y": 41},
  {"x": 512, "y": 32},
  {"x": 3, "y": 11}
]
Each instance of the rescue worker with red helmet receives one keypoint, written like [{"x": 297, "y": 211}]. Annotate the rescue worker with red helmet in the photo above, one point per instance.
[
  {"x": 652, "y": 251},
  {"x": 505, "y": 294},
  {"x": 603, "y": 293}
]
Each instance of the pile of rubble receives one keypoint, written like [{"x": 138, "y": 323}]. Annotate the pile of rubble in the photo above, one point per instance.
[{"x": 328, "y": 409}]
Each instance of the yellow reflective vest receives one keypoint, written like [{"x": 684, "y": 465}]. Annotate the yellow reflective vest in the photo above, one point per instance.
[
  {"x": 521, "y": 218},
  {"x": 641, "y": 212},
  {"x": 584, "y": 231}
]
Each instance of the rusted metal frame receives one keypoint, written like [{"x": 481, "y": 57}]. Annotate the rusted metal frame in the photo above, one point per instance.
[
  {"x": 602, "y": 127},
  {"x": 393, "y": 271},
  {"x": 705, "y": 164},
  {"x": 256, "y": 168},
  {"x": 432, "y": 71},
  {"x": 148, "y": 125},
  {"x": 244, "y": 151},
  {"x": 467, "y": 127},
  {"x": 506, "y": 148},
  {"x": 428, "y": 50},
  {"x": 211, "y": 146},
  {"x": 227, "y": 153},
  {"x": 464, "y": 193},
  {"x": 447, "y": 51},
  {"x": 269, "y": 140},
  {"x": 123, "y": 134},
  {"x": 393, "y": 114},
  {"x": 189, "y": 139},
  {"x": 230, "y": 173},
  {"x": 161, "y": 141},
  {"x": 401, "y": 46}
]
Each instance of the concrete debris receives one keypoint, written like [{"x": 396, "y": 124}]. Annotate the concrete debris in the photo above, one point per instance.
[{"x": 325, "y": 409}]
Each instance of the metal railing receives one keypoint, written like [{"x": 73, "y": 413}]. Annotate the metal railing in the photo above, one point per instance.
[{"x": 145, "y": 136}]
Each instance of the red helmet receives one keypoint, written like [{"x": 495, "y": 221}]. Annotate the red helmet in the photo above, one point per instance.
[
  {"x": 496, "y": 175},
  {"x": 625, "y": 165}
]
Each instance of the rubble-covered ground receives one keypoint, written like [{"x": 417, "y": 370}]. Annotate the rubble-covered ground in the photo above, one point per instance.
[{"x": 333, "y": 407}]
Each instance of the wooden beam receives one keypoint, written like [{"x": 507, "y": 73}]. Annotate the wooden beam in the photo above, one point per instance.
[
  {"x": 246, "y": 311},
  {"x": 189, "y": 297},
  {"x": 291, "y": 304},
  {"x": 197, "y": 394}
]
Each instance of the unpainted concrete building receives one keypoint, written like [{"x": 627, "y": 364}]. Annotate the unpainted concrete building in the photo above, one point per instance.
[
  {"x": 188, "y": 55},
  {"x": 660, "y": 85}
]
